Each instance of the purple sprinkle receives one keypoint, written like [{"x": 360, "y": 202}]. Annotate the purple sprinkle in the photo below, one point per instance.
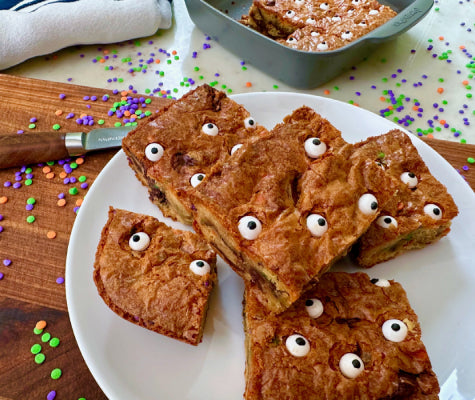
[
  {"x": 62, "y": 96},
  {"x": 465, "y": 168},
  {"x": 66, "y": 181},
  {"x": 105, "y": 98},
  {"x": 86, "y": 98},
  {"x": 84, "y": 185},
  {"x": 17, "y": 185},
  {"x": 1, "y": 228},
  {"x": 67, "y": 168},
  {"x": 61, "y": 196},
  {"x": 1, "y": 217},
  {"x": 76, "y": 209},
  {"x": 51, "y": 395},
  {"x": 93, "y": 98},
  {"x": 72, "y": 179},
  {"x": 20, "y": 131},
  {"x": 7, "y": 262},
  {"x": 29, "y": 207},
  {"x": 29, "y": 176},
  {"x": 1, "y": 276},
  {"x": 60, "y": 280},
  {"x": 33, "y": 119},
  {"x": 7, "y": 184}
]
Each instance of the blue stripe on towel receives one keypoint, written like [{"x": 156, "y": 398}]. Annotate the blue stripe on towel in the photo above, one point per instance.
[{"x": 18, "y": 5}]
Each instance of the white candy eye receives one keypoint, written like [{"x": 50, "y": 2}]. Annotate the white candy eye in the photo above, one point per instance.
[
  {"x": 355, "y": 2},
  {"x": 316, "y": 224},
  {"x": 291, "y": 40},
  {"x": 139, "y": 241},
  {"x": 362, "y": 23},
  {"x": 249, "y": 227},
  {"x": 154, "y": 151},
  {"x": 347, "y": 35},
  {"x": 324, "y": 6},
  {"x": 336, "y": 18},
  {"x": 314, "y": 147},
  {"x": 394, "y": 330},
  {"x": 373, "y": 12},
  {"x": 196, "y": 179},
  {"x": 386, "y": 221},
  {"x": 314, "y": 34},
  {"x": 351, "y": 365},
  {"x": 249, "y": 122},
  {"x": 290, "y": 13},
  {"x": 410, "y": 179},
  {"x": 368, "y": 204},
  {"x": 297, "y": 345},
  {"x": 322, "y": 46},
  {"x": 380, "y": 282},
  {"x": 235, "y": 148},
  {"x": 299, "y": 2},
  {"x": 200, "y": 267},
  {"x": 210, "y": 129},
  {"x": 433, "y": 211},
  {"x": 311, "y": 20},
  {"x": 314, "y": 307}
]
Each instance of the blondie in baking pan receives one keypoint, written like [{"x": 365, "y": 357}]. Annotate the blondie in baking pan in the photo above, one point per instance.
[{"x": 279, "y": 56}]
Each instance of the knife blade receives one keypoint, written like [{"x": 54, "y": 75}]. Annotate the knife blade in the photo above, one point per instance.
[{"x": 32, "y": 147}]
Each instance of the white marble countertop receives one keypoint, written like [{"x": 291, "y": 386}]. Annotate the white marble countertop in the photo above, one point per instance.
[{"x": 428, "y": 68}]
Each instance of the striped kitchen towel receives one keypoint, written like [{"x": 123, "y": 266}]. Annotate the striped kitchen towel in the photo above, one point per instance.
[{"x": 31, "y": 28}]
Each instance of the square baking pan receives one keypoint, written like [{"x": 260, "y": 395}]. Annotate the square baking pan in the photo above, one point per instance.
[{"x": 300, "y": 69}]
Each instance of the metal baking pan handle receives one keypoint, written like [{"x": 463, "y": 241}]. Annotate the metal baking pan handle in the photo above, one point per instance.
[{"x": 403, "y": 21}]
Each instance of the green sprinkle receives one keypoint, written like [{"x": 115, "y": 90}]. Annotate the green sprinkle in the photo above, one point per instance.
[
  {"x": 444, "y": 102},
  {"x": 73, "y": 191},
  {"x": 28, "y": 182},
  {"x": 147, "y": 91},
  {"x": 31, "y": 200},
  {"x": 463, "y": 141},
  {"x": 45, "y": 337},
  {"x": 441, "y": 79},
  {"x": 384, "y": 79},
  {"x": 275, "y": 86},
  {"x": 82, "y": 178},
  {"x": 36, "y": 348},
  {"x": 436, "y": 9},
  {"x": 176, "y": 58},
  {"x": 117, "y": 124},
  {"x": 336, "y": 88},
  {"x": 28, "y": 170},
  {"x": 101, "y": 122},
  {"x": 468, "y": 87},
  {"x": 244, "y": 68},
  {"x": 137, "y": 43},
  {"x": 82, "y": 398},
  {"x": 201, "y": 77},
  {"x": 30, "y": 219},
  {"x": 381, "y": 155},
  {"x": 148, "y": 113},
  {"x": 161, "y": 73},
  {"x": 56, "y": 373},
  {"x": 32, "y": 126},
  {"x": 73, "y": 165},
  {"x": 469, "y": 95},
  {"x": 169, "y": 61},
  {"x": 471, "y": 160},
  {"x": 196, "y": 69},
  {"x": 138, "y": 112},
  {"x": 54, "y": 342},
  {"x": 37, "y": 331},
  {"x": 120, "y": 80},
  {"x": 148, "y": 101},
  {"x": 40, "y": 358}
]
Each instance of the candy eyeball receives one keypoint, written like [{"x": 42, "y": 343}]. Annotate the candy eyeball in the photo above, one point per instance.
[
  {"x": 380, "y": 282},
  {"x": 368, "y": 204},
  {"x": 314, "y": 34},
  {"x": 322, "y": 46},
  {"x": 311, "y": 20},
  {"x": 139, "y": 241},
  {"x": 210, "y": 129},
  {"x": 250, "y": 122},
  {"x": 291, "y": 40},
  {"x": 316, "y": 224},
  {"x": 235, "y": 148},
  {"x": 314, "y": 307},
  {"x": 290, "y": 14},
  {"x": 386, "y": 221},
  {"x": 249, "y": 227},
  {"x": 373, "y": 12},
  {"x": 200, "y": 267},
  {"x": 299, "y": 2},
  {"x": 336, "y": 18},
  {"x": 154, "y": 152},
  {"x": 314, "y": 147},
  {"x": 351, "y": 365},
  {"x": 324, "y": 6},
  {"x": 347, "y": 35},
  {"x": 362, "y": 23},
  {"x": 196, "y": 179},
  {"x": 433, "y": 211},
  {"x": 410, "y": 179},
  {"x": 297, "y": 345},
  {"x": 394, "y": 330}
]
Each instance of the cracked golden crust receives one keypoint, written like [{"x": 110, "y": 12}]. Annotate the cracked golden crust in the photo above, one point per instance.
[
  {"x": 154, "y": 288},
  {"x": 354, "y": 311},
  {"x": 415, "y": 229},
  {"x": 187, "y": 150}
]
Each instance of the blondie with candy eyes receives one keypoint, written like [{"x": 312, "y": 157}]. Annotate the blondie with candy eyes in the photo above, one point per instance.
[
  {"x": 155, "y": 276},
  {"x": 418, "y": 215},
  {"x": 347, "y": 338},
  {"x": 286, "y": 206},
  {"x": 173, "y": 153}
]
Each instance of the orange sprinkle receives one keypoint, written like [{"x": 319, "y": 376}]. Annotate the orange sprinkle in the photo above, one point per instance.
[
  {"x": 248, "y": 84},
  {"x": 157, "y": 61},
  {"x": 40, "y": 325},
  {"x": 382, "y": 98},
  {"x": 461, "y": 47},
  {"x": 46, "y": 169},
  {"x": 83, "y": 115},
  {"x": 61, "y": 202},
  {"x": 63, "y": 174},
  {"x": 123, "y": 93},
  {"x": 106, "y": 51},
  {"x": 174, "y": 52},
  {"x": 102, "y": 60},
  {"x": 79, "y": 160},
  {"x": 326, "y": 91},
  {"x": 442, "y": 122},
  {"x": 3, "y": 199},
  {"x": 440, "y": 90},
  {"x": 390, "y": 108},
  {"x": 51, "y": 234},
  {"x": 356, "y": 104},
  {"x": 79, "y": 202},
  {"x": 58, "y": 112},
  {"x": 441, "y": 38},
  {"x": 124, "y": 98},
  {"x": 127, "y": 113},
  {"x": 430, "y": 136},
  {"x": 50, "y": 175},
  {"x": 415, "y": 108},
  {"x": 465, "y": 82}
]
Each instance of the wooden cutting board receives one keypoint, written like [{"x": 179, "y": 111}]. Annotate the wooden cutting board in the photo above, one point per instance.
[{"x": 29, "y": 291}]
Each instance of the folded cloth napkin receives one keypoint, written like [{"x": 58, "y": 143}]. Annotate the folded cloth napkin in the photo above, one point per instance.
[{"x": 31, "y": 28}]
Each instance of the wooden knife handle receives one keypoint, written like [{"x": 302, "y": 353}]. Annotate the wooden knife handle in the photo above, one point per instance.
[{"x": 29, "y": 148}]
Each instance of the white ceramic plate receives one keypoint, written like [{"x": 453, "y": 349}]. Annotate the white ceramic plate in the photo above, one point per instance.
[{"x": 130, "y": 362}]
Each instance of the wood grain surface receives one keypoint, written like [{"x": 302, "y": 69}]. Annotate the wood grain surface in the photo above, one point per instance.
[{"x": 29, "y": 291}]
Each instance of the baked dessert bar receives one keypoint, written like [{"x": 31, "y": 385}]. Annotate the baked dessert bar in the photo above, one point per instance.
[
  {"x": 314, "y": 25},
  {"x": 280, "y": 217},
  {"x": 420, "y": 214},
  {"x": 347, "y": 338},
  {"x": 155, "y": 276},
  {"x": 173, "y": 152}
]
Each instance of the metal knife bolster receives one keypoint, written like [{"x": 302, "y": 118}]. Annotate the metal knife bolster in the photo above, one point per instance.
[{"x": 74, "y": 143}]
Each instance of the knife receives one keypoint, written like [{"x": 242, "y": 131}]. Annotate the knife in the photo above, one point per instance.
[{"x": 29, "y": 148}]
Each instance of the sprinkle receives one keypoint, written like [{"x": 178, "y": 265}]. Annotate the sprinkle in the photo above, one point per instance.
[
  {"x": 56, "y": 127},
  {"x": 30, "y": 219},
  {"x": 60, "y": 280},
  {"x": 440, "y": 90},
  {"x": 7, "y": 262},
  {"x": 471, "y": 160},
  {"x": 73, "y": 191},
  {"x": 61, "y": 202},
  {"x": 40, "y": 325},
  {"x": 35, "y": 349},
  {"x": 31, "y": 200},
  {"x": 56, "y": 373},
  {"x": 1, "y": 276},
  {"x": 54, "y": 342},
  {"x": 51, "y": 395},
  {"x": 40, "y": 358},
  {"x": 51, "y": 234},
  {"x": 3, "y": 199}
]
